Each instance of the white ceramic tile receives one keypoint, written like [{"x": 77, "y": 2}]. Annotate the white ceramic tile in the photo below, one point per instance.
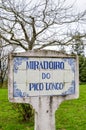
[
  {"x": 22, "y": 66},
  {"x": 33, "y": 76},
  {"x": 20, "y": 77},
  {"x": 68, "y": 76},
  {"x": 22, "y": 87},
  {"x": 58, "y": 75}
]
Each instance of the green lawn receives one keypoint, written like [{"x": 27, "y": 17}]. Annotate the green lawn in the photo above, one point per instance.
[
  {"x": 9, "y": 118},
  {"x": 71, "y": 114}
]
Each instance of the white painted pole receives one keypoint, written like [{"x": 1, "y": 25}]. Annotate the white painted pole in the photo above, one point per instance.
[{"x": 45, "y": 113}]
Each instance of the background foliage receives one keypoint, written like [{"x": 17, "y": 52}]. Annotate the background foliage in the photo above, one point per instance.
[{"x": 82, "y": 69}]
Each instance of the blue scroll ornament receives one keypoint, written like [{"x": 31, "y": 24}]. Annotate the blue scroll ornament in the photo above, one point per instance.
[
  {"x": 71, "y": 90},
  {"x": 17, "y": 62},
  {"x": 71, "y": 62},
  {"x": 17, "y": 92}
]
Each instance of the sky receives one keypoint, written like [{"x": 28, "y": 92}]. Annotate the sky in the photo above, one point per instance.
[{"x": 80, "y": 4}]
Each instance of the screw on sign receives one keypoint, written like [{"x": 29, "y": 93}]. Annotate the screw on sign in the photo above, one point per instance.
[{"x": 43, "y": 79}]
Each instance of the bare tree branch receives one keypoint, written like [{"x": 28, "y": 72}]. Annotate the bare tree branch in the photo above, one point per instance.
[{"x": 45, "y": 23}]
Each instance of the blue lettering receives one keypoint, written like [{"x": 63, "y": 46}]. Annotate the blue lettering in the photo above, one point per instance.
[
  {"x": 44, "y": 65},
  {"x": 54, "y": 86},
  {"x": 36, "y": 65},
  {"x": 62, "y": 65},
  {"x": 46, "y": 76},
  {"x": 41, "y": 65},
  {"x": 61, "y": 86},
  {"x": 36, "y": 86},
  {"x": 31, "y": 65},
  {"x": 27, "y": 65},
  {"x": 51, "y": 65},
  {"x": 55, "y": 67}
]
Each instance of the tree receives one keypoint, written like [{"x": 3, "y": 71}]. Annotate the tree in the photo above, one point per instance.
[
  {"x": 78, "y": 44},
  {"x": 0, "y": 64},
  {"x": 37, "y": 25},
  {"x": 82, "y": 68},
  {"x": 3, "y": 64}
]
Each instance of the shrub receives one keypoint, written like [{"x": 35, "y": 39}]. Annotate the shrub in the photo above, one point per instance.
[{"x": 25, "y": 111}]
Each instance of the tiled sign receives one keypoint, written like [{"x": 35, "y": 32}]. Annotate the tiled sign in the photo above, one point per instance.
[{"x": 43, "y": 76}]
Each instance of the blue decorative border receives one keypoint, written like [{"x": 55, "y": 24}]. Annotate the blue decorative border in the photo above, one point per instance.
[
  {"x": 71, "y": 62},
  {"x": 17, "y": 92},
  {"x": 71, "y": 90},
  {"x": 18, "y": 61}
]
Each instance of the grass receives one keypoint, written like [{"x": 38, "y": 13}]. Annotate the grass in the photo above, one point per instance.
[
  {"x": 71, "y": 114},
  {"x": 9, "y": 118}
]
